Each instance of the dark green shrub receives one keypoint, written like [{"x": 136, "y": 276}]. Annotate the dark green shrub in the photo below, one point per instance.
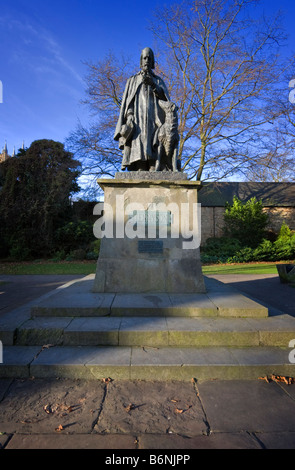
[
  {"x": 284, "y": 246},
  {"x": 228, "y": 250},
  {"x": 244, "y": 255},
  {"x": 77, "y": 255},
  {"x": 219, "y": 249},
  {"x": 246, "y": 221},
  {"x": 74, "y": 235},
  {"x": 264, "y": 252},
  {"x": 94, "y": 249}
]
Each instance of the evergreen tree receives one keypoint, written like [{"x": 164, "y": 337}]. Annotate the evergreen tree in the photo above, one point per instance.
[{"x": 35, "y": 198}]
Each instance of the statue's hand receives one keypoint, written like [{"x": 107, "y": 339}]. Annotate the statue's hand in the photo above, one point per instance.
[{"x": 148, "y": 79}]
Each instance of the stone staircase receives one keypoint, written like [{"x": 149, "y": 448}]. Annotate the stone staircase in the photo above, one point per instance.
[{"x": 75, "y": 333}]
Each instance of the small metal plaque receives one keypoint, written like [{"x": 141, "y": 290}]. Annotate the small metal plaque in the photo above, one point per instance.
[{"x": 150, "y": 246}]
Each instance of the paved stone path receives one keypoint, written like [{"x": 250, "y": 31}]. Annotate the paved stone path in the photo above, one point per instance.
[{"x": 134, "y": 415}]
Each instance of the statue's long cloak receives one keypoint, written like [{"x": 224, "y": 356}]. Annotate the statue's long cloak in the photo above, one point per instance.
[{"x": 140, "y": 100}]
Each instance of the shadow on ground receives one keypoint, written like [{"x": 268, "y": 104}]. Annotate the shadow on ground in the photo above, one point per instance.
[{"x": 266, "y": 289}]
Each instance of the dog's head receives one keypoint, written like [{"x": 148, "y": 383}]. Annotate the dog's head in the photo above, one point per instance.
[{"x": 168, "y": 106}]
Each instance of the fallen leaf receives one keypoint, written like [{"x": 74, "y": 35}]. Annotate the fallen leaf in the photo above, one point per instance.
[
  {"x": 107, "y": 380},
  {"x": 178, "y": 410},
  {"x": 59, "y": 429},
  {"x": 47, "y": 409},
  {"x": 129, "y": 407},
  {"x": 47, "y": 346},
  {"x": 278, "y": 379},
  {"x": 59, "y": 408},
  {"x": 264, "y": 378}
]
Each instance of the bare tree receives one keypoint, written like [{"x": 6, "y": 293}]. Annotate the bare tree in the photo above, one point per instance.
[
  {"x": 225, "y": 66},
  {"x": 276, "y": 161},
  {"x": 222, "y": 67},
  {"x": 93, "y": 144}
]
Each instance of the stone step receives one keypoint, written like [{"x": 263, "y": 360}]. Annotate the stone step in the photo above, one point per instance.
[
  {"x": 156, "y": 332},
  {"x": 75, "y": 333},
  {"x": 78, "y": 300},
  {"x": 145, "y": 363}
]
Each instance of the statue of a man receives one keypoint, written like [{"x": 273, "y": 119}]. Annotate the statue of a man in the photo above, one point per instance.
[{"x": 141, "y": 116}]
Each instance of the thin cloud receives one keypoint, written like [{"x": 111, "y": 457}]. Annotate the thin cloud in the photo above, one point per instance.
[{"x": 36, "y": 36}]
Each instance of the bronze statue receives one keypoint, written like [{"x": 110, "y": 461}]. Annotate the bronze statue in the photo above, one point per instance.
[{"x": 147, "y": 125}]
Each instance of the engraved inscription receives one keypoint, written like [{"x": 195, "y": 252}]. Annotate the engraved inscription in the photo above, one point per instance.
[{"x": 152, "y": 218}]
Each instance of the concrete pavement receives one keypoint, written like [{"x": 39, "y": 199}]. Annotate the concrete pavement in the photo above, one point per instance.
[
  {"x": 135, "y": 415},
  {"x": 19, "y": 290},
  {"x": 93, "y": 414},
  {"x": 265, "y": 288}
]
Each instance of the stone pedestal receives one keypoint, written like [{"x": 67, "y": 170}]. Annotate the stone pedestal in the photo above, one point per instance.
[{"x": 148, "y": 217}]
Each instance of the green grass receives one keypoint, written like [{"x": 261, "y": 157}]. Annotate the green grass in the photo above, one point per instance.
[
  {"x": 89, "y": 267},
  {"x": 244, "y": 268}
]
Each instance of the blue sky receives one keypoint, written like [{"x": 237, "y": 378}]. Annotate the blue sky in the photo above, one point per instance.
[{"x": 43, "y": 44}]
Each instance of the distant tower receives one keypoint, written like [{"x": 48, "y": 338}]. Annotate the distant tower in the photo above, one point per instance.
[{"x": 4, "y": 155}]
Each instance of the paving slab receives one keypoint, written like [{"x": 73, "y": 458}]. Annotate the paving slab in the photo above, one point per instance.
[
  {"x": 144, "y": 331},
  {"x": 155, "y": 408},
  {"x": 156, "y": 331},
  {"x": 17, "y": 360},
  {"x": 4, "y": 439},
  {"x": 193, "y": 305},
  {"x": 264, "y": 288},
  {"x": 232, "y": 304},
  {"x": 77, "y": 299},
  {"x": 181, "y": 363},
  {"x": 41, "y": 406},
  {"x": 145, "y": 363},
  {"x": 4, "y": 386},
  {"x": 141, "y": 304},
  {"x": 242, "y": 440},
  {"x": 92, "y": 332},
  {"x": 18, "y": 290},
  {"x": 40, "y": 331},
  {"x": 27, "y": 287},
  {"x": 274, "y": 331},
  {"x": 65, "y": 413},
  {"x": 82, "y": 362},
  {"x": 255, "y": 406},
  {"x": 72, "y": 441},
  {"x": 74, "y": 304},
  {"x": 212, "y": 332},
  {"x": 277, "y": 440},
  {"x": 9, "y": 322},
  {"x": 74, "y": 299},
  {"x": 110, "y": 362}
]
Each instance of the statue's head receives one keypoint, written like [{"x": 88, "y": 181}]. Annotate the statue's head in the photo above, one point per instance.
[{"x": 147, "y": 59}]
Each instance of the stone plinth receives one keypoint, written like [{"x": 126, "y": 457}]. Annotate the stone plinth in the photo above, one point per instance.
[{"x": 149, "y": 218}]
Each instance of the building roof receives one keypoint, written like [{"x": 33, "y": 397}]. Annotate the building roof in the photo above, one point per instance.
[{"x": 272, "y": 194}]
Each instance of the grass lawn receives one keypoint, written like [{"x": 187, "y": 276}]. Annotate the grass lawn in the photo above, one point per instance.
[
  {"x": 243, "y": 268},
  {"x": 89, "y": 267}
]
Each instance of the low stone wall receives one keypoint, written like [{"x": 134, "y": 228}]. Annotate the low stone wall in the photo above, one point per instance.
[
  {"x": 213, "y": 220},
  {"x": 278, "y": 215}
]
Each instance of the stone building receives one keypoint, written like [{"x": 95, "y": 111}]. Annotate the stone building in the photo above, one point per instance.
[
  {"x": 278, "y": 200},
  {"x": 4, "y": 154}
]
